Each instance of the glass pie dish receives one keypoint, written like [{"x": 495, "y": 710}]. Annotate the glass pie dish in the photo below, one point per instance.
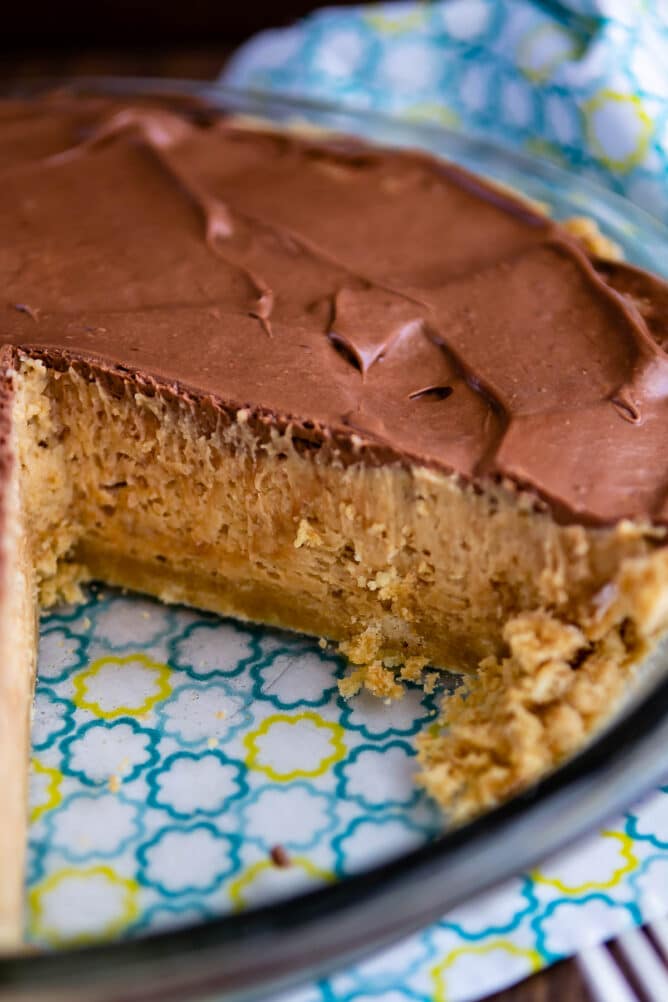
[{"x": 275, "y": 944}]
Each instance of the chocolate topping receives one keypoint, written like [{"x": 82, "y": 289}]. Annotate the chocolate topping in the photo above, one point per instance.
[{"x": 358, "y": 294}]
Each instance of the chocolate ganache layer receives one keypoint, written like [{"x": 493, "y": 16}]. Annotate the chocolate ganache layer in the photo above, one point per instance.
[{"x": 390, "y": 306}]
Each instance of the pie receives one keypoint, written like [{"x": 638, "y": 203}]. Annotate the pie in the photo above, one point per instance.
[{"x": 355, "y": 392}]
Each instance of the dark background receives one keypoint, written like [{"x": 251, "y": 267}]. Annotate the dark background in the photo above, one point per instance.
[
  {"x": 69, "y": 23},
  {"x": 132, "y": 37}
]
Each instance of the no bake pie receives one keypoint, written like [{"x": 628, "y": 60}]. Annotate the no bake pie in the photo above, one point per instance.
[{"x": 354, "y": 392}]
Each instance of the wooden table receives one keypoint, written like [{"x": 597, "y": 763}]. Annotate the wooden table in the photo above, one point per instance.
[{"x": 561, "y": 983}]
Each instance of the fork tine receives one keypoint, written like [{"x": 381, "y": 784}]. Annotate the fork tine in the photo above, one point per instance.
[
  {"x": 647, "y": 966},
  {"x": 604, "y": 979},
  {"x": 659, "y": 929}
]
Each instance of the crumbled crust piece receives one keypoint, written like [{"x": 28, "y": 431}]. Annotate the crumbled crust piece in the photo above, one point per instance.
[
  {"x": 307, "y": 535},
  {"x": 64, "y": 585},
  {"x": 376, "y": 678},
  {"x": 352, "y": 683},
  {"x": 364, "y": 648},
  {"x": 523, "y": 713},
  {"x": 382, "y": 682},
  {"x": 413, "y": 668},
  {"x": 430, "y": 681},
  {"x": 382, "y": 676}
]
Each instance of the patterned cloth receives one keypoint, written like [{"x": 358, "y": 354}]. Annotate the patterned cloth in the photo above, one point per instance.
[
  {"x": 583, "y": 81},
  {"x": 173, "y": 750}
]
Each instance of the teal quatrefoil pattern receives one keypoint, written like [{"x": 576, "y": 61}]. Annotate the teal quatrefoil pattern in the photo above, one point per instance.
[
  {"x": 172, "y": 750},
  {"x": 584, "y": 82}
]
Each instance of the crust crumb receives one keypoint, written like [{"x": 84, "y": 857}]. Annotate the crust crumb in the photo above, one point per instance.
[
  {"x": 523, "y": 713},
  {"x": 352, "y": 684},
  {"x": 430, "y": 681},
  {"x": 382, "y": 682},
  {"x": 413, "y": 668},
  {"x": 307, "y": 535},
  {"x": 375, "y": 678},
  {"x": 364, "y": 648},
  {"x": 279, "y": 857},
  {"x": 64, "y": 586}
]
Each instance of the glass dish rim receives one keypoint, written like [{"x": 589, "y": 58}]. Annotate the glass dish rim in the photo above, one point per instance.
[{"x": 215, "y": 954}]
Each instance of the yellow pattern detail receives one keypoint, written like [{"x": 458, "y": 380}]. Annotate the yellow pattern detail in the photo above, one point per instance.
[
  {"x": 396, "y": 24},
  {"x": 249, "y": 876},
  {"x": 54, "y": 936},
  {"x": 438, "y": 973},
  {"x": 431, "y": 111},
  {"x": 53, "y": 791},
  {"x": 544, "y": 148},
  {"x": 599, "y": 101},
  {"x": 336, "y": 740},
  {"x": 566, "y": 47},
  {"x": 630, "y": 863},
  {"x": 161, "y": 673}
]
